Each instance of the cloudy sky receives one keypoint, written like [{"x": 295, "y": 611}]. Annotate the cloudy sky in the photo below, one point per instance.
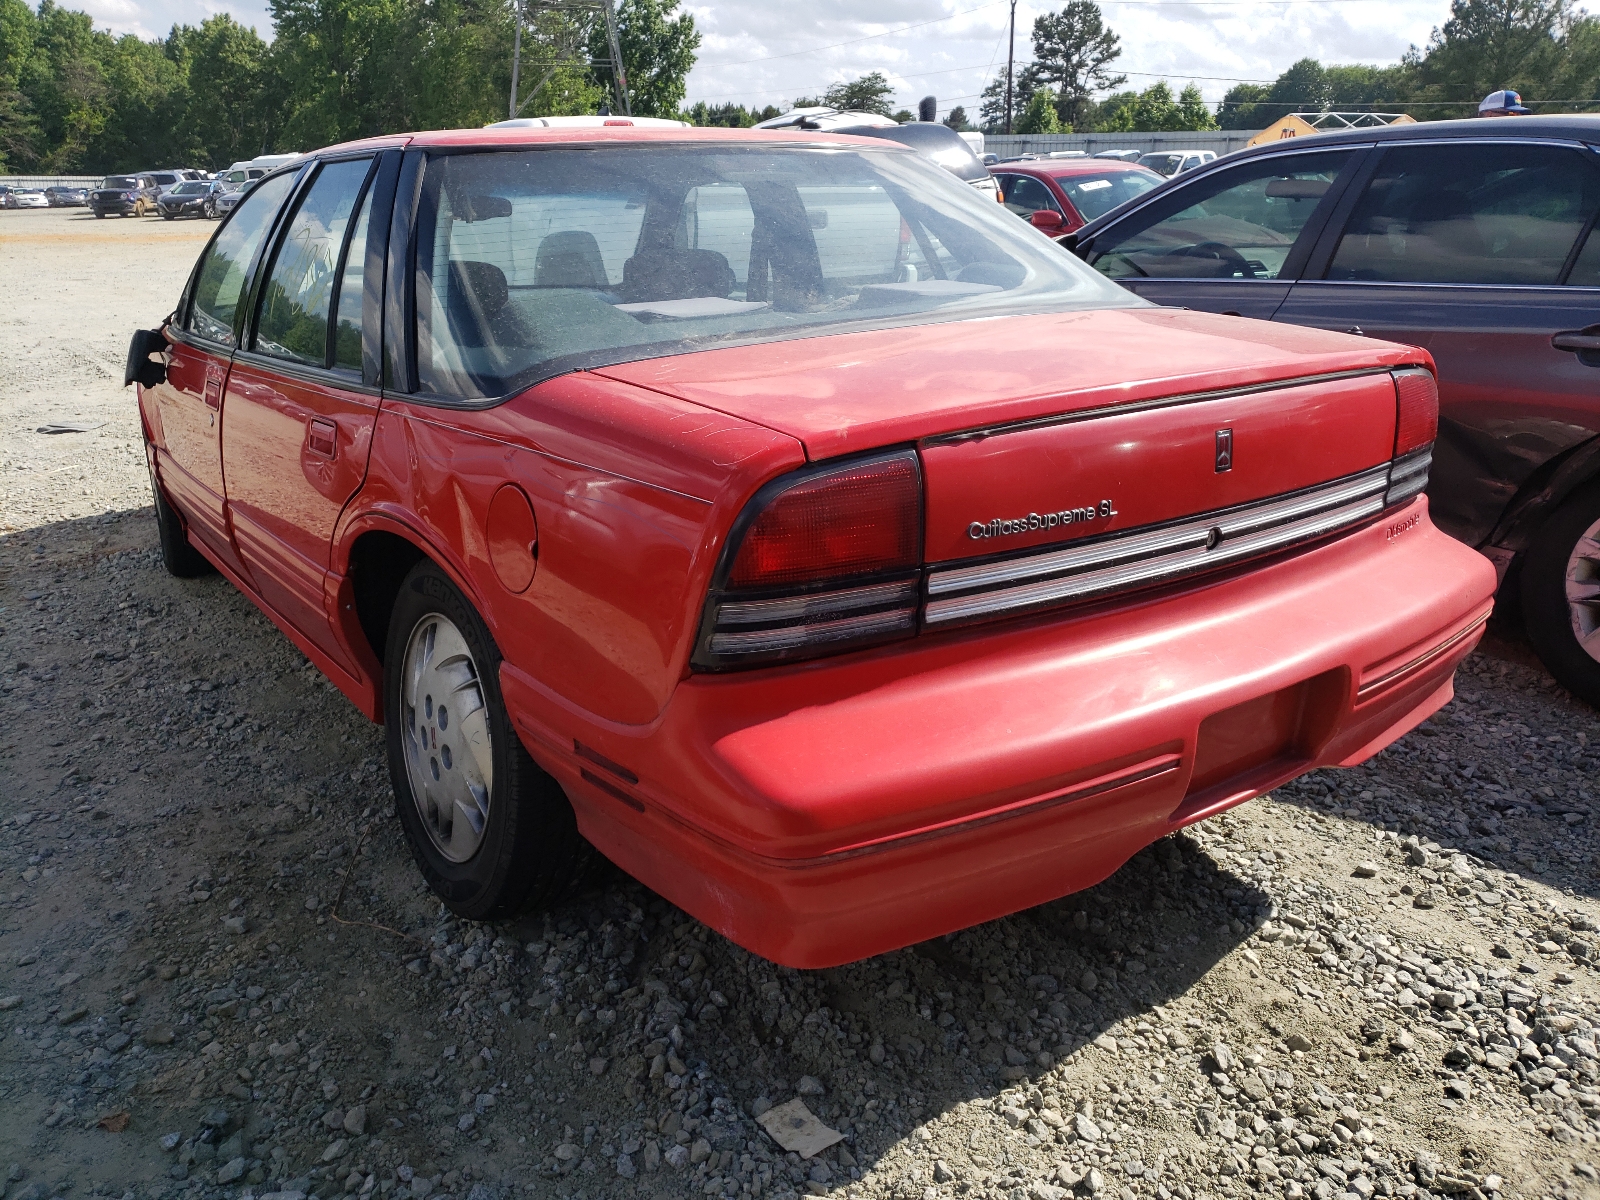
[{"x": 766, "y": 52}]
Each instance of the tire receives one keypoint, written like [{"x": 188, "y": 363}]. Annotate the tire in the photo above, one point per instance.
[
  {"x": 177, "y": 555},
  {"x": 492, "y": 833},
  {"x": 1561, "y": 594},
  {"x": 166, "y": 216},
  {"x": 100, "y": 214}
]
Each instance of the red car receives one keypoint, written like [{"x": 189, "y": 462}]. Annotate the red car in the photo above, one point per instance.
[
  {"x": 779, "y": 517},
  {"x": 1061, "y": 195}
]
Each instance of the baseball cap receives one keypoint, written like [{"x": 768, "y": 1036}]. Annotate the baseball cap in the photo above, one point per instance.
[{"x": 1502, "y": 102}]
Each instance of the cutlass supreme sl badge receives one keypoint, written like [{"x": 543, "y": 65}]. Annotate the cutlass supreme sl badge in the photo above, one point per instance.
[{"x": 1001, "y": 527}]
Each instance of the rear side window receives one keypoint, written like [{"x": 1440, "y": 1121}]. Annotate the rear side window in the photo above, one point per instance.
[
  {"x": 223, "y": 270},
  {"x": 299, "y": 292},
  {"x": 1486, "y": 214},
  {"x": 1023, "y": 195},
  {"x": 1094, "y": 195},
  {"x": 1236, "y": 224}
]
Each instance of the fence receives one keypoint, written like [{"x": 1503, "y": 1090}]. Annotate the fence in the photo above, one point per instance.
[
  {"x": 44, "y": 181},
  {"x": 1222, "y": 141}
]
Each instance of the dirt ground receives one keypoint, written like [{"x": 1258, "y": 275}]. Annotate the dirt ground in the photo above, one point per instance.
[{"x": 220, "y": 976}]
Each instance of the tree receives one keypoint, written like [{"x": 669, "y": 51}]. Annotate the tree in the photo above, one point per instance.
[
  {"x": 1155, "y": 111},
  {"x": 658, "y": 52},
  {"x": 870, "y": 94},
  {"x": 1239, "y": 105},
  {"x": 224, "y": 66},
  {"x": 1072, "y": 52},
  {"x": 957, "y": 119},
  {"x": 1040, "y": 115},
  {"x": 1487, "y": 45},
  {"x": 992, "y": 104},
  {"x": 1308, "y": 86},
  {"x": 903, "y": 115},
  {"x": 730, "y": 116}
]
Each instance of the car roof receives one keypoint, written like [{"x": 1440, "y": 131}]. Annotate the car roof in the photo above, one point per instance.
[
  {"x": 1561, "y": 127},
  {"x": 1071, "y": 166},
  {"x": 445, "y": 139}
]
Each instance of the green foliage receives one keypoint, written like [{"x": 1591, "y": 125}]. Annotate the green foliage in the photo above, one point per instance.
[
  {"x": 870, "y": 94},
  {"x": 1040, "y": 115},
  {"x": 1487, "y": 45},
  {"x": 957, "y": 120},
  {"x": 728, "y": 116},
  {"x": 75, "y": 99},
  {"x": 1073, "y": 51},
  {"x": 658, "y": 52},
  {"x": 1154, "y": 110},
  {"x": 992, "y": 104}
]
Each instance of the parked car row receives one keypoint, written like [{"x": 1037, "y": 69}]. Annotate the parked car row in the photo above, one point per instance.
[
  {"x": 833, "y": 553},
  {"x": 175, "y": 192}
]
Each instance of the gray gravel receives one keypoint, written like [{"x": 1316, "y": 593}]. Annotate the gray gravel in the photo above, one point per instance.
[{"x": 219, "y": 975}]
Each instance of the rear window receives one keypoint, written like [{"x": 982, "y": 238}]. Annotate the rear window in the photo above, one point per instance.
[
  {"x": 532, "y": 263},
  {"x": 123, "y": 182},
  {"x": 164, "y": 179}
]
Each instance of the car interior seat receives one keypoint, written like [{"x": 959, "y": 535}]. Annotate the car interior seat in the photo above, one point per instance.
[
  {"x": 676, "y": 275},
  {"x": 570, "y": 259},
  {"x": 477, "y": 306}
]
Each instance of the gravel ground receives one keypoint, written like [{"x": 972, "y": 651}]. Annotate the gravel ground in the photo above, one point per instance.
[{"x": 220, "y": 977}]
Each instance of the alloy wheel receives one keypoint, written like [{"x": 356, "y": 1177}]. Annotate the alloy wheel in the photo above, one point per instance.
[
  {"x": 1583, "y": 590},
  {"x": 445, "y": 737}
]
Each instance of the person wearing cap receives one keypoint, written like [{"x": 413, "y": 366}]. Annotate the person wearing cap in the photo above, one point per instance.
[{"x": 1502, "y": 104}]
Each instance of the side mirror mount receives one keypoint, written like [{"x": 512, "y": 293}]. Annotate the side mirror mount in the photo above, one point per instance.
[
  {"x": 141, "y": 368},
  {"x": 1046, "y": 221}
]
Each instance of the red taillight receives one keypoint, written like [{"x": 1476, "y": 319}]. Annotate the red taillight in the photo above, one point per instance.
[
  {"x": 855, "y": 520},
  {"x": 1417, "y": 415},
  {"x": 1415, "y": 427},
  {"x": 828, "y": 561}
]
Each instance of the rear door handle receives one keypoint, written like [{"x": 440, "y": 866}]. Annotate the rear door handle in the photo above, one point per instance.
[
  {"x": 323, "y": 437},
  {"x": 1578, "y": 340},
  {"x": 213, "y": 392}
]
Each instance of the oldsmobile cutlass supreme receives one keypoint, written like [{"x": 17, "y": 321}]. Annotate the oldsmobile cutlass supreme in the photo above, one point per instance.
[{"x": 775, "y": 514}]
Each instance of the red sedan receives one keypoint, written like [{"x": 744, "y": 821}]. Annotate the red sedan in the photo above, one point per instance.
[
  {"x": 773, "y": 514},
  {"x": 1061, "y": 195}
]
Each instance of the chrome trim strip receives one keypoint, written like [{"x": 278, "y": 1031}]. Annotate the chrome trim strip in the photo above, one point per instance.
[
  {"x": 1084, "y": 585},
  {"x": 787, "y": 637},
  {"x": 1194, "y": 532},
  {"x": 800, "y": 608}
]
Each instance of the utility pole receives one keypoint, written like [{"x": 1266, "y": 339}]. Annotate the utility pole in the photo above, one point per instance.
[
  {"x": 616, "y": 56},
  {"x": 1010, "y": 55},
  {"x": 516, "y": 58}
]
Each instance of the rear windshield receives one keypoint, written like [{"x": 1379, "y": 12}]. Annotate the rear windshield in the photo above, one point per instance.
[
  {"x": 1093, "y": 195},
  {"x": 535, "y": 262},
  {"x": 163, "y": 180},
  {"x": 122, "y": 181}
]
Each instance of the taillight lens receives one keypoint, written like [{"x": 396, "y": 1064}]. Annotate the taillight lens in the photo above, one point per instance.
[
  {"x": 1416, "y": 427},
  {"x": 820, "y": 562}
]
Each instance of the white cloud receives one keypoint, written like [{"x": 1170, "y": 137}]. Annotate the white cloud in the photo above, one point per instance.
[{"x": 766, "y": 53}]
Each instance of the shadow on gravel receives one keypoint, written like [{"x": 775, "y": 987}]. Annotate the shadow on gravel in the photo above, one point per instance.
[{"x": 877, "y": 1048}]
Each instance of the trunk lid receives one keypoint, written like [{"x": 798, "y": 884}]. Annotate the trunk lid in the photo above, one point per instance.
[{"x": 1038, "y": 433}]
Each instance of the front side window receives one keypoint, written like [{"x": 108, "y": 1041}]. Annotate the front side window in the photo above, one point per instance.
[
  {"x": 299, "y": 292},
  {"x": 220, "y": 284},
  {"x": 534, "y": 262},
  {"x": 1094, "y": 195},
  {"x": 1025, "y": 195},
  {"x": 1238, "y": 224},
  {"x": 1461, "y": 213}
]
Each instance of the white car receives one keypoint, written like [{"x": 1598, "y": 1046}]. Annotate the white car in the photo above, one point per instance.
[
  {"x": 28, "y": 198},
  {"x": 1176, "y": 162}
]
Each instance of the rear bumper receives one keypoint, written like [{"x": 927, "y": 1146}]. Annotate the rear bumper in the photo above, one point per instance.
[{"x": 822, "y": 813}]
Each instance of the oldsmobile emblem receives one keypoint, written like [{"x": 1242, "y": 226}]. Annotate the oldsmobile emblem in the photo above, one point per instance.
[
  {"x": 1224, "y": 450},
  {"x": 1001, "y": 527}
]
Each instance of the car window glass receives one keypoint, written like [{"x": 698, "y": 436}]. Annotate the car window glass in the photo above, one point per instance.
[
  {"x": 352, "y": 290},
  {"x": 1093, "y": 195},
  {"x": 1237, "y": 224},
  {"x": 299, "y": 291},
  {"x": 1488, "y": 214},
  {"x": 222, "y": 271},
  {"x": 1024, "y": 195},
  {"x": 1586, "y": 270},
  {"x": 532, "y": 262}
]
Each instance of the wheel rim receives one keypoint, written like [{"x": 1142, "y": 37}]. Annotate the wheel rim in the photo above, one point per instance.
[
  {"x": 1583, "y": 590},
  {"x": 445, "y": 735}
]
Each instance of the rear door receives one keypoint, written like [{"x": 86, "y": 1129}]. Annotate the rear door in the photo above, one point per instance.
[
  {"x": 1479, "y": 252},
  {"x": 202, "y": 341},
  {"x": 301, "y": 401},
  {"x": 1229, "y": 241}
]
